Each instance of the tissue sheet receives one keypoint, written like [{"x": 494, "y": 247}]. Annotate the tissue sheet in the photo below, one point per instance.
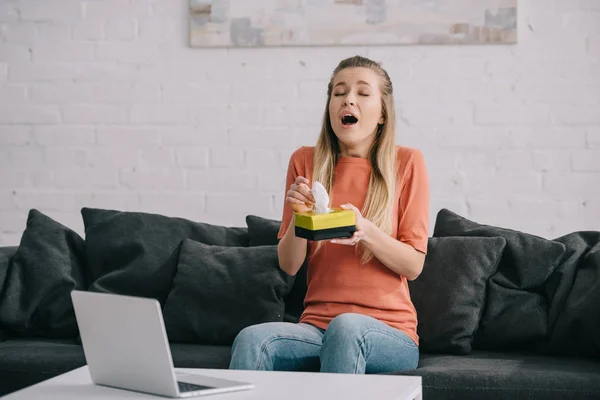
[{"x": 321, "y": 198}]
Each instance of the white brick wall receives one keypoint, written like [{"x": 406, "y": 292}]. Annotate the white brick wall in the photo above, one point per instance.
[{"x": 102, "y": 104}]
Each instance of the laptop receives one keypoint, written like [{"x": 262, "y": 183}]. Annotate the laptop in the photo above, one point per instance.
[{"x": 125, "y": 345}]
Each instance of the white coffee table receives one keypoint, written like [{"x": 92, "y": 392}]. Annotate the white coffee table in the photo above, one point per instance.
[{"x": 77, "y": 384}]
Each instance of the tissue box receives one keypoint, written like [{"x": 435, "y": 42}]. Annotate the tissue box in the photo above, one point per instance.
[{"x": 338, "y": 223}]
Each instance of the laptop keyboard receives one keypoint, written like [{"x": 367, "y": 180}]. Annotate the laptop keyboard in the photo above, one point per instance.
[{"x": 190, "y": 387}]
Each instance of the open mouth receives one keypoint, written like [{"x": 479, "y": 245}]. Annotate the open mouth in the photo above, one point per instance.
[{"x": 349, "y": 119}]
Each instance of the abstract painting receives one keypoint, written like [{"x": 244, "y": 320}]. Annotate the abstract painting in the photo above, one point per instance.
[{"x": 262, "y": 23}]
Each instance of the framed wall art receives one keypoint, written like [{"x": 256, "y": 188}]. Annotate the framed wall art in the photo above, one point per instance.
[{"x": 260, "y": 23}]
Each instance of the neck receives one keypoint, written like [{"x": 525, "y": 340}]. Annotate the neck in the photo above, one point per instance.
[
  {"x": 354, "y": 154},
  {"x": 357, "y": 151}
]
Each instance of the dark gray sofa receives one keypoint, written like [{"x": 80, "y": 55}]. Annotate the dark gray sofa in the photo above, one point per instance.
[
  {"x": 457, "y": 361},
  {"x": 480, "y": 375}
]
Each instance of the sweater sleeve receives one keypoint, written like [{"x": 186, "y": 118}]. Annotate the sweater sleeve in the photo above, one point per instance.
[
  {"x": 413, "y": 210},
  {"x": 295, "y": 169}
]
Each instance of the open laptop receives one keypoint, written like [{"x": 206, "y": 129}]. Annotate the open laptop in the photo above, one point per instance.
[{"x": 125, "y": 346}]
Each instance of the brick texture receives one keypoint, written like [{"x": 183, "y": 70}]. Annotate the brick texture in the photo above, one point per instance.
[{"x": 102, "y": 104}]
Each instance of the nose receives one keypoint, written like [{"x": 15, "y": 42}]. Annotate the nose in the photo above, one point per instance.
[{"x": 349, "y": 99}]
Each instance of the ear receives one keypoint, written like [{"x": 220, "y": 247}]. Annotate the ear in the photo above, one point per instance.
[{"x": 382, "y": 120}]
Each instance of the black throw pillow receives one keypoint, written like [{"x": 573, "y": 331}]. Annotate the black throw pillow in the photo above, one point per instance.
[
  {"x": 575, "y": 292},
  {"x": 449, "y": 295},
  {"x": 263, "y": 232},
  {"x": 48, "y": 265},
  {"x": 516, "y": 310},
  {"x": 6, "y": 254},
  {"x": 135, "y": 253},
  {"x": 218, "y": 291}
]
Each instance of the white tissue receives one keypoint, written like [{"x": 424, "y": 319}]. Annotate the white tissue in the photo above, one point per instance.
[{"x": 321, "y": 198}]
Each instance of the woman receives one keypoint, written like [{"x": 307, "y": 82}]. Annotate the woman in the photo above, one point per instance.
[{"x": 358, "y": 315}]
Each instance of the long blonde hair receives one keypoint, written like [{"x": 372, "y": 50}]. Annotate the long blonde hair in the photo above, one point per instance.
[{"x": 378, "y": 204}]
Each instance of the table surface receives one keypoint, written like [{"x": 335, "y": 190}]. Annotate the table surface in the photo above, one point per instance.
[{"x": 77, "y": 384}]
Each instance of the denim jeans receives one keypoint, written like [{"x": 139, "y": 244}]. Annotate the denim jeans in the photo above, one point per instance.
[{"x": 352, "y": 343}]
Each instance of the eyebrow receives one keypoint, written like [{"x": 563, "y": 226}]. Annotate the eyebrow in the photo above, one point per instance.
[{"x": 359, "y": 82}]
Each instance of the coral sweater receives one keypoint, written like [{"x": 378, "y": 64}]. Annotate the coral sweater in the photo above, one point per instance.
[{"x": 337, "y": 282}]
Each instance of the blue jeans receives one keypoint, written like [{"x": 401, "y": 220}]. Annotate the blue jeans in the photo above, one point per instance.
[{"x": 352, "y": 343}]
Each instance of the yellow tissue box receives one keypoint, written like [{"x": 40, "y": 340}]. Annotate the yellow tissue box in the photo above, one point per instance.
[{"x": 338, "y": 223}]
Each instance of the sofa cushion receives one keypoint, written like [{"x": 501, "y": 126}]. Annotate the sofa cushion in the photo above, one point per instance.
[
  {"x": 217, "y": 291},
  {"x": 6, "y": 254},
  {"x": 186, "y": 355},
  {"x": 449, "y": 294},
  {"x": 516, "y": 310},
  {"x": 135, "y": 253},
  {"x": 507, "y": 376},
  {"x": 263, "y": 232},
  {"x": 48, "y": 265},
  {"x": 574, "y": 290},
  {"x": 25, "y": 362},
  {"x": 49, "y": 355}
]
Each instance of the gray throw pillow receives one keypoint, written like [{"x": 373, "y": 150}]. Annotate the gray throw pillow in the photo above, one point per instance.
[
  {"x": 49, "y": 263},
  {"x": 575, "y": 292},
  {"x": 218, "y": 291},
  {"x": 263, "y": 232},
  {"x": 6, "y": 254},
  {"x": 449, "y": 295},
  {"x": 135, "y": 253},
  {"x": 516, "y": 311}
]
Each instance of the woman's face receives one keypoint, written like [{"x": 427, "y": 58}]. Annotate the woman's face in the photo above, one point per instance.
[{"x": 355, "y": 108}]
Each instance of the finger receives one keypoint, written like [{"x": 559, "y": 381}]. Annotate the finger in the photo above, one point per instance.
[
  {"x": 304, "y": 189},
  {"x": 299, "y": 196},
  {"x": 352, "y": 241},
  {"x": 357, "y": 236},
  {"x": 350, "y": 206},
  {"x": 301, "y": 179},
  {"x": 292, "y": 200},
  {"x": 347, "y": 242},
  {"x": 304, "y": 193}
]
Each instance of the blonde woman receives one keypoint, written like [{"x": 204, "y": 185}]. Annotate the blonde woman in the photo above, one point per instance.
[{"x": 358, "y": 315}]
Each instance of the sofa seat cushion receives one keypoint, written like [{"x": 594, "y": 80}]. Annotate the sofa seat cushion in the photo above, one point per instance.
[
  {"x": 59, "y": 356},
  {"x": 27, "y": 362},
  {"x": 40, "y": 355},
  {"x": 495, "y": 376},
  {"x": 200, "y": 356}
]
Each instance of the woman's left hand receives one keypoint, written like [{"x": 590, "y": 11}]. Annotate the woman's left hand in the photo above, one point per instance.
[{"x": 361, "y": 227}]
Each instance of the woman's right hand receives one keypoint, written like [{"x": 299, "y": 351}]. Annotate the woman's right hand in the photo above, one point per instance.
[{"x": 299, "y": 196}]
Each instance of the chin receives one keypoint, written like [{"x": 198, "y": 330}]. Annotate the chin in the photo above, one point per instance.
[{"x": 350, "y": 137}]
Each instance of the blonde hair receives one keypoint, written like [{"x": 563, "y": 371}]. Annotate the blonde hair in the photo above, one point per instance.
[{"x": 382, "y": 155}]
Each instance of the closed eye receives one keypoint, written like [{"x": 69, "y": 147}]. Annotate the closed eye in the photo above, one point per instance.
[{"x": 343, "y": 94}]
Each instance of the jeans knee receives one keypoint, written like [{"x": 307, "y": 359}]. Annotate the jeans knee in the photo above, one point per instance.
[
  {"x": 250, "y": 337},
  {"x": 248, "y": 348},
  {"x": 348, "y": 326}
]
